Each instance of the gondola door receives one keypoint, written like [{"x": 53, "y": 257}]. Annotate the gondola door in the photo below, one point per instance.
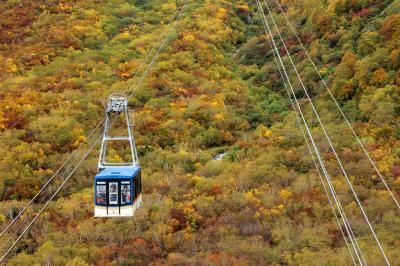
[{"x": 113, "y": 193}]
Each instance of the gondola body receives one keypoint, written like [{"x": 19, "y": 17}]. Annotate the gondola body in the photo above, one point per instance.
[
  {"x": 118, "y": 185},
  {"x": 118, "y": 192}
]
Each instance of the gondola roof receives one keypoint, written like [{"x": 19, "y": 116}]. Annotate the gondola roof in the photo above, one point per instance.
[{"x": 118, "y": 172}]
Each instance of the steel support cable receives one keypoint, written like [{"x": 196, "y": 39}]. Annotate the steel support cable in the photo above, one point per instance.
[
  {"x": 344, "y": 218},
  {"x": 47, "y": 203},
  {"x": 55, "y": 194},
  {"x": 149, "y": 53},
  {"x": 50, "y": 180},
  {"x": 338, "y": 204},
  {"x": 329, "y": 141},
  {"x": 98, "y": 125},
  {"x": 166, "y": 40},
  {"x": 373, "y": 163},
  {"x": 32, "y": 212},
  {"x": 38, "y": 195},
  {"x": 332, "y": 189},
  {"x": 94, "y": 145},
  {"x": 345, "y": 222}
]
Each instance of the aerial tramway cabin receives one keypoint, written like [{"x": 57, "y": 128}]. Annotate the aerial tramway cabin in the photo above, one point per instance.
[{"x": 118, "y": 185}]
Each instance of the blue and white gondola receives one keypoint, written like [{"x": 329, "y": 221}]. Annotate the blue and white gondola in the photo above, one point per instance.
[
  {"x": 118, "y": 185},
  {"x": 118, "y": 192}
]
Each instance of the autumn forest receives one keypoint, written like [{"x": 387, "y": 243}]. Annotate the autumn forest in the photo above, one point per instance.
[{"x": 227, "y": 173}]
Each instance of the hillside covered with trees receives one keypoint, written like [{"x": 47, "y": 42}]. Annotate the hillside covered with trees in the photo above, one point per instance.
[{"x": 215, "y": 89}]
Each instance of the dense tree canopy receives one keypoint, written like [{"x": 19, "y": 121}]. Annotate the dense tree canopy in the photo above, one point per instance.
[{"x": 214, "y": 89}]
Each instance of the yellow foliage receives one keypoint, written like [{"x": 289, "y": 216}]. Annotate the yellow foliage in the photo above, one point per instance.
[
  {"x": 170, "y": 122},
  {"x": 178, "y": 105},
  {"x": 80, "y": 28},
  {"x": 63, "y": 7},
  {"x": 221, "y": 13},
  {"x": 257, "y": 192},
  {"x": 274, "y": 212},
  {"x": 78, "y": 142},
  {"x": 133, "y": 28},
  {"x": 385, "y": 164},
  {"x": 243, "y": 7},
  {"x": 397, "y": 181},
  {"x": 217, "y": 103},
  {"x": 40, "y": 152},
  {"x": 2, "y": 218},
  {"x": 10, "y": 67},
  {"x": 378, "y": 153},
  {"x": 285, "y": 194},
  {"x": 116, "y": 158},
  {"x": 173, "y": 222},
  {"x": 189, "y": 122},
  {"x": 263, "y": 131},
  {"x": 219, "y": 116},
  {"x": 323, "y": 71},
  {"x": 263, "y": 211},
  {"x": 252, "y": 199},
  {"x": 90, "y": 13},
  {"x": 189, "y": 37},
  {"x": 169, "y": 6},
  {"x": 196, "y": 179},
  {"x": 2, "y": 121},
  {"x": 77, "y": 131},
  {"x": 352, "y": 205}
]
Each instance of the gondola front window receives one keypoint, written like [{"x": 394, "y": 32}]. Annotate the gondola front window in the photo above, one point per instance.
[
  {"x": 125, "y": 192},
  {"x": 113, "y": 193},
  {"x": 101, "y": 193}
]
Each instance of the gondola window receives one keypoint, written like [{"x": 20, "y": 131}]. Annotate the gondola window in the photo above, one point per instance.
[
  {"x": 113, "y": 193},
  {"x": 125, "y": 193},
  {"x": 101, "y": 194}
]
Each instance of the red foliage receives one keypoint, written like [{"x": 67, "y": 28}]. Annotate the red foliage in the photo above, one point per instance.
[
  {"x": 215, "y": 190},
  {"x": 395, "y": 170},
  {"x": 15, "y": 120},
  {"x": 265, "y": 142},
  {"x": 243, "y": 144},
  {"x": 363, "y": 13},
  {"x": 179, "y": 216},
  {"x": 12, "y": 29},
  {"x": 211, "y": 222}
]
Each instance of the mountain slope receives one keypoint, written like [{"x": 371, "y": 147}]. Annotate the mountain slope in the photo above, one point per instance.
[{"x": 215, "y": 89}]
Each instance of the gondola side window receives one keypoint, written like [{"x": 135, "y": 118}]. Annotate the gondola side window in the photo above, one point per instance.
[
  {"x": 101, "y": 197},
  {"x": 125, "y": 192}
]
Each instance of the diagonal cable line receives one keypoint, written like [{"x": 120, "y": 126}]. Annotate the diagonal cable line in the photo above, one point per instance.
[
  {"x": 330, "y": 142},
  {"x": 347, "y": 225},
  {"x": 31, "y": 213},
  {"x": 167, "y": 39},
  {"x": 344, "y": 218},
  {"x": 92, "y": 132},
  {"x": 98, "y": 125},
  {"x": 50, "y": 180},
  {"x": 149, "y": 53},
  {"x": 373, "y": 163}
]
